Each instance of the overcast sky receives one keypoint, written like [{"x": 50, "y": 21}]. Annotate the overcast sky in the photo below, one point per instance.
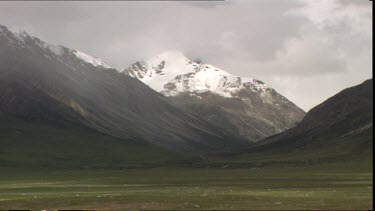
[{"x": 307, "y": 50}]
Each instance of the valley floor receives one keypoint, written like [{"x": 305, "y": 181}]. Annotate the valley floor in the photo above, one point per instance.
[{"x": 313, "y": 187}]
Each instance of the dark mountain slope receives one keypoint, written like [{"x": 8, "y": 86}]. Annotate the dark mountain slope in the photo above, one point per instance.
[
  {"x": 37, "y": 131},
  {"x": 346, "y": 113}
]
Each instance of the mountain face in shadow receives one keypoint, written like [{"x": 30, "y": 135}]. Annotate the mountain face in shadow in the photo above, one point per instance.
[
  {"x": 54, "y": 85},
  {"x": 347, "y": 113}
]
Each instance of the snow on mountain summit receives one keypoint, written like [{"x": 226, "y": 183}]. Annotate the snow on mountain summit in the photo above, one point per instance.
[
  {"x": 172, "y": 73},
  {"x": 161, "y": 69},
  {"x": 209, "y": 78}
]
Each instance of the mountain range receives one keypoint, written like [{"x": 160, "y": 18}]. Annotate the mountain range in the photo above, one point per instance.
[{"x": 62, "y": 108}]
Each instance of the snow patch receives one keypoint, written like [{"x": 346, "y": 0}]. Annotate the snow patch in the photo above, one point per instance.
[
  {"x": 163, "y": 68},
  {"x": 90, "y": 59},
  {"x": 24, "y": 40}
]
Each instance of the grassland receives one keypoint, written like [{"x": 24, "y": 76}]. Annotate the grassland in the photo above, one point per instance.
[
  {"x": 327, "y": 186},
  {"x": 47, "y": 168}
]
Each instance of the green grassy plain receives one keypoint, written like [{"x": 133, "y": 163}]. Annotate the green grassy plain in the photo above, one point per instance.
[{"x": 327, "y": 186}]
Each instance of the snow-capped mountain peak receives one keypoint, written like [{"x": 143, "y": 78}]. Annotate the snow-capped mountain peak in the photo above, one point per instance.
[
  {"x": 172, "y": 73},
  {"x": 161, "y": 69},
  {"x": 211, "y": 79}
]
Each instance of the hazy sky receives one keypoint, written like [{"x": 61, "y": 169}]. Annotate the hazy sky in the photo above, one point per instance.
[{"x": 306, "y": 49}]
